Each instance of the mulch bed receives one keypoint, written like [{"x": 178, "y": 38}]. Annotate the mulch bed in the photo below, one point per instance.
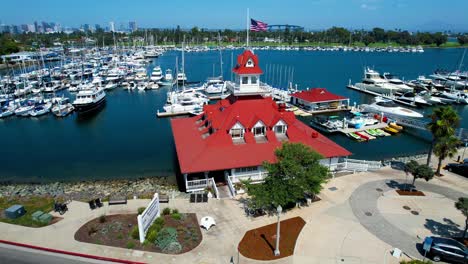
[
  {"x": 116, "y": 232},
  {"x": 260, "y": 243},
  {"x": 410, "y": 193}
]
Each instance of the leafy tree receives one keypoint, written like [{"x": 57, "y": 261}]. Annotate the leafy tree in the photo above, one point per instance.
[
  {"x": 439, "y": 38},
  {"x": 419, "y": 171},
  {"x": 368, "y": 39},
  {"x": 297, "y": 172},
  {"x": 444, "y": 120},
  {"x": 445, "y": 148},
  {"x": 462, "y": 39},
  {"x": 462, "y": 205}
]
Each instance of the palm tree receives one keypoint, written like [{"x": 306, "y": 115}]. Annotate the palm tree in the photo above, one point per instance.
[
  {"x": 443, "y": 124},
  {"x": 445, "y": 148}
]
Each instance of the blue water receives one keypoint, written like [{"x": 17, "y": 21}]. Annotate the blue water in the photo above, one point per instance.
[{"x": 126, "y": 140}]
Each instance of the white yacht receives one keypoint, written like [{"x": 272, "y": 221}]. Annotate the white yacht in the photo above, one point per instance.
[
  {"x": 187, "y": 102},
  {"x": 215, "y": 85},
  {"x": 393, "y": 80},
  {"x": 89, "y": 100},
  {"x": 431, "y": 98},
  {"x": 24, "y": 110},
  {"x": 156, "y": 75},
  {"x": 181, "y": 78},
  {"x": 412, "y": 97},
  {"x": 168, "y": 79},
  {"x": 373, "y": 82},
  {"x": 41, "y": 109},
  {"x": 63, "y": 107},
  {"x": 386, "y": 106},
  {"x": 7, "y": 110}
]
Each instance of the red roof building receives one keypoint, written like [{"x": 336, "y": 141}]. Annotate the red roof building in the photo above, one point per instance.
[
  {"x": 319, "y": 99},
  {"x": 237, "y": 134}
]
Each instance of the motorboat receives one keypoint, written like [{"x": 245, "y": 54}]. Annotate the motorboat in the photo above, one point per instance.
[
  {"x": 181, "y": 78},
  {"x": 89, "y": 100},
  {"x": 63, "y": 107},
  {"x": 431, "y": 98},
  {"x": 152, "y": 86},
  {"x": 459, "y": 97},
  {"x": 389, "y": 107},
  {"x": 24, "y": 110},
  {"x": 156, "y": 75},
  {"x": 373, "y": 82},
  {"x": 412, "y": 97},
  {"x": 168, "y": 79},
  {"x": 215, "y": 85},
  {"x": 7, "y": 110},
  {"x": 40, "y": 109},
  {"x": 141, "y": 86},
  {"x": 393, "y": 80}
]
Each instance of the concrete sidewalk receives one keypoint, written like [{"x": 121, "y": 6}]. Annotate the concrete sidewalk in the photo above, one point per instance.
[{"x": 332, "y": 233}]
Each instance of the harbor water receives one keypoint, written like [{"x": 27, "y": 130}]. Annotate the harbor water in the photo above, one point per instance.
[{"x": 126, "y": 140}]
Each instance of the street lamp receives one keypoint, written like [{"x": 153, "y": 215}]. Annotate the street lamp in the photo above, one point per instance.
[{"x": 278, "y": 210}]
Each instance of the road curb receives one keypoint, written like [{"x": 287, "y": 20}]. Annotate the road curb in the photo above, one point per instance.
[{"x": 76, "y": 254}]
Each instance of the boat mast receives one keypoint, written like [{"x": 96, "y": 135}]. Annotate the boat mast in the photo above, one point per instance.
[
  {"x": 220, "y": 57},
  {"x": 247, "y": 28}
]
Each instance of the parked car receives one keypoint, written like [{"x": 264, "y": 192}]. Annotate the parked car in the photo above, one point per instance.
[
  {"x": 446, "y": 249},
  {"x": 458, "y": 168}
]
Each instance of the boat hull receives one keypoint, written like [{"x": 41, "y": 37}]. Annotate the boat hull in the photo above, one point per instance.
[{"x": 86, "y": 108}]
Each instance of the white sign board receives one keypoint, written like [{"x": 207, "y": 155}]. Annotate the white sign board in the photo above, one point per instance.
[{"x": 147, "y": 217}]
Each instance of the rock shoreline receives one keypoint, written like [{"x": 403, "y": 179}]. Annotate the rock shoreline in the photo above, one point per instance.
[{"x": 87, "y": 190}]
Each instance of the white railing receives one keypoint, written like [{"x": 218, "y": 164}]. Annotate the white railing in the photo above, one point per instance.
[
  {"x": 254, "y": 177},
  {"x": 213, "y": 184},
  {"x": 230, "y": 185},
  {"x": 355, "y": 165},
  {"x": 196, "y": 184}
]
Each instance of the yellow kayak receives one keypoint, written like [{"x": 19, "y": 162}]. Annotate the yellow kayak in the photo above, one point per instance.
[
  {"x": 391, "y": 130},
  {"x": 395, "y": 126}
]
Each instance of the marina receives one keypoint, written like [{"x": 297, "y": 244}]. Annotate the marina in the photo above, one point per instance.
[{"x": 148, "y": 150}]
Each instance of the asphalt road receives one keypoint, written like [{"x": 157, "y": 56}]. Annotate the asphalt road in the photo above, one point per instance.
[{"x": 18, "y": 255}]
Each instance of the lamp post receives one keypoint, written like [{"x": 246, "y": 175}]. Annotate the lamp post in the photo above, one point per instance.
[{"x": 278, "y": 210}]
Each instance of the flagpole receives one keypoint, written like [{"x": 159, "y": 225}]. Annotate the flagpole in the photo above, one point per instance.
[{"x": 248, "y": 28}]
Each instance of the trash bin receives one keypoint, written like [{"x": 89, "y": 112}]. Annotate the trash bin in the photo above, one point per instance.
[{"x": 15, "y": 211}]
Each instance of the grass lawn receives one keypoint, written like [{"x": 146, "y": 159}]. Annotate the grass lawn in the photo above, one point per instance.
[{"x": 31, "y": 204}]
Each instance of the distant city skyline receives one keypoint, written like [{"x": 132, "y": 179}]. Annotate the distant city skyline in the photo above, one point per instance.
[{"x": 410, "y": 15}]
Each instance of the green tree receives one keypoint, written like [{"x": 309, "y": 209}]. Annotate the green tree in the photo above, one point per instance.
[
  {"x": 462, "y": 205},
  {"x": 445, "y": 148},
  {"x": 297, "y": 172},
  {"x": 440, "y": 38},
  {"x": 444, "y": 120},
  {"x": 462, "y": 39},
  {"x": 368, "y": 39},
  {"x": 419, "y": 171}
]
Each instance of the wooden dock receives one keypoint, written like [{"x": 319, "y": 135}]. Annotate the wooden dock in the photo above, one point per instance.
[
  {"x": 381, "y": 95},
  {"x": 169, "y": 114},
  {"x": 364, "y": 128}
]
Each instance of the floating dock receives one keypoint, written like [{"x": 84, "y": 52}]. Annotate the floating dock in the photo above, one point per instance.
[
  {"x": 381, "y": 95},
  {"x": 171, "y": 114}
]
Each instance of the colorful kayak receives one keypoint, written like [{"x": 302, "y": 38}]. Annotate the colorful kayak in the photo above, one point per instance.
[
  {"x": 373, "y": 133},
  {"x": 391, "y": 130},
  {"x": 354, "y": 136},
  {"x": 395, "y": 126},
  {"x": 382, "y": 132}
]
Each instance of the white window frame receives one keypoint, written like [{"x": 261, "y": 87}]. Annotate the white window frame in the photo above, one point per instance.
[{"x": 283, "y": 125}]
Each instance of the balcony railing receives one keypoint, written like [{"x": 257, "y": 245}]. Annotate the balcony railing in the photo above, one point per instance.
[
  {"x": 195, "y": 185},
  {"x": 254, "y": 177}
]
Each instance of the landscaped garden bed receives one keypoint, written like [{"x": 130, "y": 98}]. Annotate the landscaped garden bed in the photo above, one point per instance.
[
  {"x": 410, "y": 193},
  {"x": 31, "y": 205},
  {"x": 172, "y": 233},
  {"x": 260, "y": 243}
]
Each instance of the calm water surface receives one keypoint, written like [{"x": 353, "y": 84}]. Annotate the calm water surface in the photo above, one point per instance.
[{"x": 126, "y": 140}]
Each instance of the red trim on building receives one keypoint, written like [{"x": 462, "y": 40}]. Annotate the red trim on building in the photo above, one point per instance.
[{"x": 317, "y": 95}]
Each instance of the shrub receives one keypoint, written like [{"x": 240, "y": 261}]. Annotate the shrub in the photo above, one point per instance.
[
  {"x": 141, "y": 209},
  {"x": 176, "y": 216},
  {"x": 130, "y": 244},
  {"x": 135, "y": 233},
  {"x": 175, "y": 211},
  {"x": 102, "y": 219},
  {"x": 159, "y": 221},
  {"x": 165, "y": 237},
  {"x": 151, "y": 236},
  {"x": 166, "y": 211},
  {"x": 157, "y": 225},
  {"x": 173, "y": 248}
]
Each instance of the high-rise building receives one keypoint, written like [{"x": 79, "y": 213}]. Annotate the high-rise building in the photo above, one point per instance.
[
  {"x": 14, "y": 29},
  {"x": 86, "y": 27},
  {"x": 45, "y": 26},
  {"x": 111, "y": 26},
  {"x": 132, "y": 26},
  {"x": 36, "y": 27},
  {"x": 24, "y": 28},
  {"x": 97, "y": 27},
  {"x": 31, "y": 28}
]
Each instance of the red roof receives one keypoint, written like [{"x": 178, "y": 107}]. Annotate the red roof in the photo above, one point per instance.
[
  {"x": 317, "y": 95},
  {"x": 242, "y": 59},
  {"x": 200, "y": 151}
]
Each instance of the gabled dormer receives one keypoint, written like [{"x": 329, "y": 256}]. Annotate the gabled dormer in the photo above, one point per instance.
[
  {"x": 280, "y": 127},
  {"x": 237, "y": 131},
  {"x": 247, "y": 75},
  {"x": 259, "y": 129}
]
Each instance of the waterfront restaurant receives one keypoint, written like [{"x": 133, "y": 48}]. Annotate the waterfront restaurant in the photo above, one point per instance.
[
  {"x": 231, "y": 139},
  {"x": 319, "y": 99}
]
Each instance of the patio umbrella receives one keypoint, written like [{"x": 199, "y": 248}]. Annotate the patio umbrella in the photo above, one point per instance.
[{"x": 207, "y": 222}]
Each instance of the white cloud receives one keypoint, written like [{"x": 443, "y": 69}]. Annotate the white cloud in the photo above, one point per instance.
[{"x": 368, "y": 7}]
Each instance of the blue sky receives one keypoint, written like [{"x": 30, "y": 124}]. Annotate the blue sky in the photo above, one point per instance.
[{"x": 312, "y": 14}]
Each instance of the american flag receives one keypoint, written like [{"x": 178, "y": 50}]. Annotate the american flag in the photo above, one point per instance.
[{"x": 257, "y": 26}]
